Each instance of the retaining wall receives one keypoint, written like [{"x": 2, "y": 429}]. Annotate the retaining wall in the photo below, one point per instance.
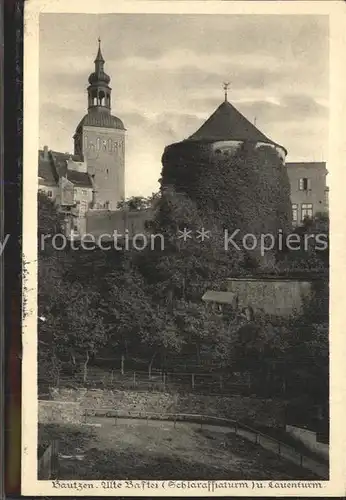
[
  {"x": 281, "y": 297},
  {"x": 71, "y": 402},
  {"x": 309, "y": 439},
  {"x": 60, "y": 412}
]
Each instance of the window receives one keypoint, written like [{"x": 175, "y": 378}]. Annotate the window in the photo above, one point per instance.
[
  {"x": 109, "y": 144},
  {"x": 306, "y": 210},
  {"x": 84, "y": 191},
  {"x": 304, "y": 184},
  {"x": 294, "y": 212},
  {"x": 50, "y": 194}
]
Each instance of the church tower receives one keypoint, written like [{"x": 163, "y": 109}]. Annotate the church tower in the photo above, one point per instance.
[{"x": 100, "y": 139}]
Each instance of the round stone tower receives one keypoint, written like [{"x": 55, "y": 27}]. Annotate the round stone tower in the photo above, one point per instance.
[{"x": 234, "y": 173}]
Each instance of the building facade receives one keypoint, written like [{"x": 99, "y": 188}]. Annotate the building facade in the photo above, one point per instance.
[
  {"x": 309, "y": 191},
  {"x": 65, "y": 180}
]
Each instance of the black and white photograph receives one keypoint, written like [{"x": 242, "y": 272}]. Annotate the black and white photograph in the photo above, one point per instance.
[{"x": 179, "y": 324}]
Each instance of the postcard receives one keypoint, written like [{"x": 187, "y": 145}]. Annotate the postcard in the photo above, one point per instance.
[{"x": 183, "y": 214}]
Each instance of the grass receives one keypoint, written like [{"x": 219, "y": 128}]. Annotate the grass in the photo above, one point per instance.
[{"x": 137, "y": 450}]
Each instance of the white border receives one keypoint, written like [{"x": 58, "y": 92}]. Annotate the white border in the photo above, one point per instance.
[{"x": 337, "y": 177}]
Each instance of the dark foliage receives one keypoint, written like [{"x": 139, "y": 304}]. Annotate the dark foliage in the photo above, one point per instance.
[{"x": 248, "y": 191}]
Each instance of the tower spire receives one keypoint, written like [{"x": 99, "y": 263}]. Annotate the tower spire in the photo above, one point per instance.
[
  {"x": 99, "y": 92},
  {"x": 99, "y": 59},
  {"x": 225, "y": 88}
]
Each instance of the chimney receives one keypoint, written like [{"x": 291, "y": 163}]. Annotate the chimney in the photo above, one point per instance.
[{"x": 45, "y": 152}]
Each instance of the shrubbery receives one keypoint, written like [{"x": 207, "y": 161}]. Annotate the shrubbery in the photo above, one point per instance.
[{"x": 148, "y": 304}]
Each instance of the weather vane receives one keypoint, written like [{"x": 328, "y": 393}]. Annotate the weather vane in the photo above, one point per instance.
[{"x": 225, "y": 88}]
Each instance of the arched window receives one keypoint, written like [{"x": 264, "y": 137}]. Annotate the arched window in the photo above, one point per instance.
[
  {"x": 102, "y": 98},
  {"x": 98, "y": 143},
  {"x": 94, "y": 98}
]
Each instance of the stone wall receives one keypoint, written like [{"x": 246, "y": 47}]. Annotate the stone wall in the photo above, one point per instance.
[
  {"x": 60, "y": 412},
  {"x": 281, "y": 297},
  {"x": 105, "y": 222},
  {"x": 263, "y": 412},
  {"x": 308, "y": 438},
  {"x": 106, "y": 164}
]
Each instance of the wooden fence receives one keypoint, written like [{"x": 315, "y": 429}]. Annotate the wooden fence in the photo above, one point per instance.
[{"x": 199, "y": 383}]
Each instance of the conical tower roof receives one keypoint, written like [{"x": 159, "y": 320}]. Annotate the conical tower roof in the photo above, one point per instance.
[{"x": 227, "y": 123}]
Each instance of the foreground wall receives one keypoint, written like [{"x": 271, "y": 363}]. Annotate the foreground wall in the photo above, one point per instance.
[
  {"x": 309, "y": 439},
  {"x": 59, "y": 412},
  {"x": 68, "y": 404},
  {"x": 104, "y": 222}
]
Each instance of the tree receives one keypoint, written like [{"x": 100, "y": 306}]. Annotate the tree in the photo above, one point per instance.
[
  {"x": 188, "y": 265},
  {"x": 51, "y": 287},
  {"x": 135, "y": 203},
  {"x": 311, "y": 255},
  {"x": 50, "y": 220}
]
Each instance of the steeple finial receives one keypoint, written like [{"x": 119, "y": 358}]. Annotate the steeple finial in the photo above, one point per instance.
[
  {"x": 99, "y": 54},
  {"x": 225, "y": 88}
]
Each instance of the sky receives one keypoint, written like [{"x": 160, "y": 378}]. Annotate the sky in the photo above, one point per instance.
[{"x": 167, "y": 73}]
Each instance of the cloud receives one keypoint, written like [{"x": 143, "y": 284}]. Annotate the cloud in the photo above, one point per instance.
[{"x": 167, "y": 73}]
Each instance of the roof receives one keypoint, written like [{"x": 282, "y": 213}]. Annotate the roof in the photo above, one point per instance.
[
  {"x": 56, "y": 166},
  {"x": 100, "y": 118},
  {"x": 80, "y": 179},
  {"x": 59, "y": 161},
  {"x": 227, "y": 123},
  {"x": 219, "y": 297},
  {"x": 99, "y": 76}
]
